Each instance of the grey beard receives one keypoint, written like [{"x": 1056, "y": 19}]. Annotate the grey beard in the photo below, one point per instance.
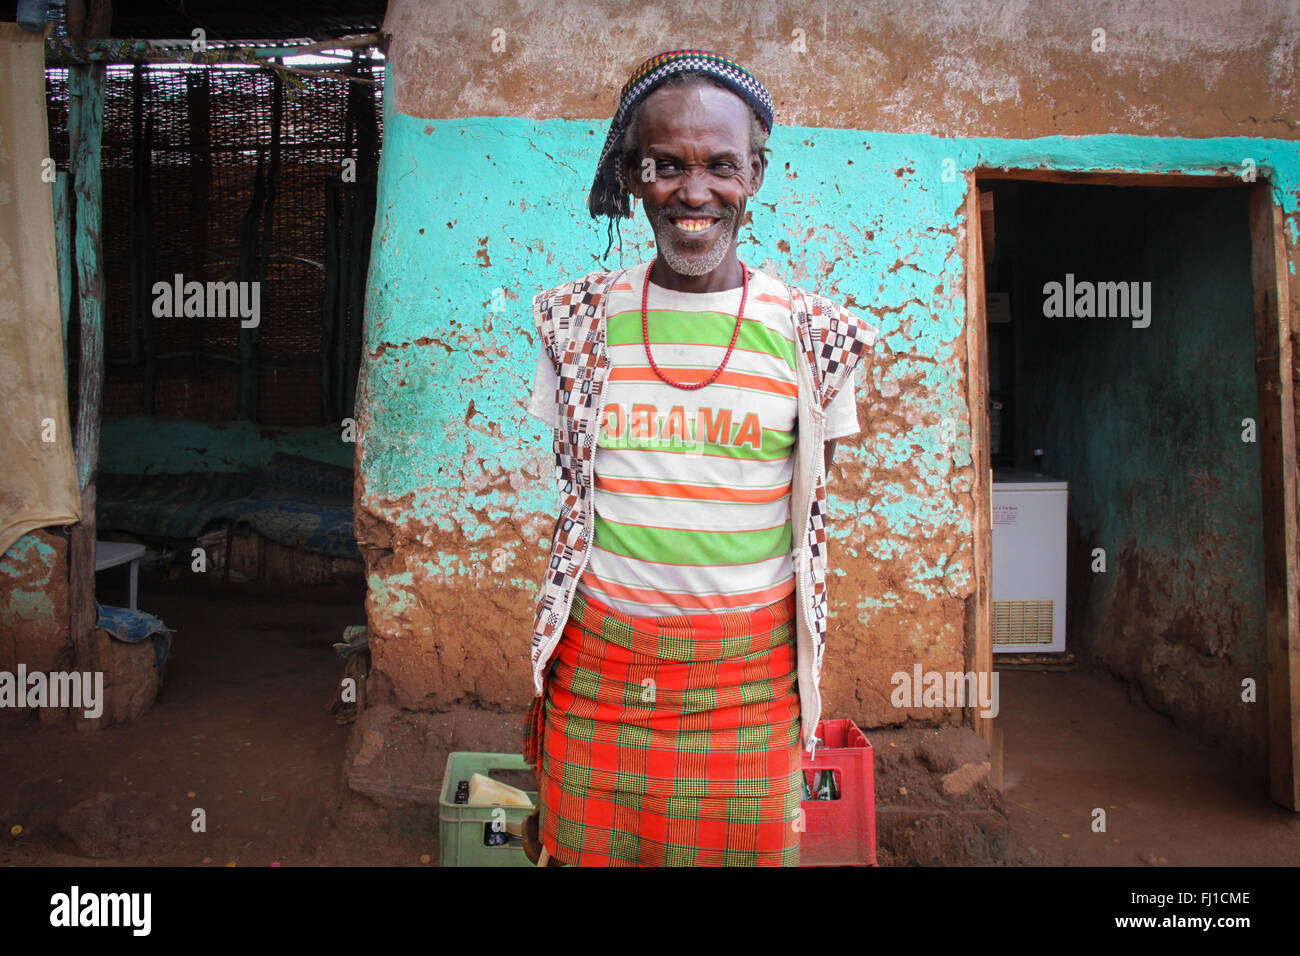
[{"x": 692, "y": 265}]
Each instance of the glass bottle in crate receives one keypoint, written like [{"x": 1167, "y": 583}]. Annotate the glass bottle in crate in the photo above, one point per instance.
[{"x": 826, "y": 789}]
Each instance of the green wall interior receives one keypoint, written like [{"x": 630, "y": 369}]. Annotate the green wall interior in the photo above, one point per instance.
[{"x": 1147, "y": 426}]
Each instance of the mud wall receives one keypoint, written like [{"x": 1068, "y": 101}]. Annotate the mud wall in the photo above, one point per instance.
[
  {"x": 34, "y": 603},
  {"x": 487, "y": 160},
  {"x": 1010, "y": 68},
  {"x": 1146, "y": 425}
]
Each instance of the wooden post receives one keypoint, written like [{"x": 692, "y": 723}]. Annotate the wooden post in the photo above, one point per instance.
[
  {"x": 198, "y": 106},
  {"x": 268, "y": 210},
  {"x": 143, "y": 346},
  {"x": 85, "y": 130},
  {"x": 364, "y": 226},
  {"x": 248, "y": 272},
  {"x": 349, "y": 317},
  {"x": 259, "y": 266},
  {"x": 329, "y": 326},
  {"x": 144, "y": 203},
  {"x": 139, "y": 280},
  {"x": 1277, "y": 450},
  {"x": 347, "y": 204},
  {"x": 63, "y": 255},
  {"x": 363, "y": 121},
  {"x": 979, "y": 617}
]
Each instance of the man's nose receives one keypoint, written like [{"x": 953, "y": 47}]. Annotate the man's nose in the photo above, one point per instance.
[{"x": 694, "y": 189}]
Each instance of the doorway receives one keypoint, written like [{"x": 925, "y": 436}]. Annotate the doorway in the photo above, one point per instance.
[{"x": 1126, "y": 345}]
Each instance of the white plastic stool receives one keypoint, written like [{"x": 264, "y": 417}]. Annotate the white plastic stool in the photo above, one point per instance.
[{"x": 109, "y": 554}]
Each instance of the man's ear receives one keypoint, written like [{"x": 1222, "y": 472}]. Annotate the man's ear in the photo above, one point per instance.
[
  {"x": 634, "y": 181},
  {"x": 758, "y": 166}
]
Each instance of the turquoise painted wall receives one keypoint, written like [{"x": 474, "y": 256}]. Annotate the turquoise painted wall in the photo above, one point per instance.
[
  {"x": 476, "y": 215},
  {"x": 33, "y": 603},
  {"x": 28, "y": 601}
]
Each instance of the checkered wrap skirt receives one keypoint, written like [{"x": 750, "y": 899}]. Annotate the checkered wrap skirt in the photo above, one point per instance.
[{"x": 670, "y": 741}]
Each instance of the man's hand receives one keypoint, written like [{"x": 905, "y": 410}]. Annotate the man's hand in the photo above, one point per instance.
[{"x": 828, "y": 454}]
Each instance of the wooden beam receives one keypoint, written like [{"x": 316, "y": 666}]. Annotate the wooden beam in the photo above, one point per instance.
[
  {"x": 987, "y": 229},
  {"x": 1225, "y": 177},
  {"x": 198, "y": 111},
  {"x": 364, "y": 123},
  {"x": 979, "y": 623},
  {"x": 248, "y": 272},
  {"x": 62, "y": 195},
  {"x": 136, "y": 243},
  {"x": 1277, "y": 450},
  {"x": 74, "y": 17},
  {"x": 148, "y": 331},
  {"x": 343, "y": 43},
  {"x": 85, "y": 132},
  {"x": 347, "y": 278},
  {"x": 249, "y": 380},
  {"x": 327, "y": 72},
  {"x": 61, "y": 52},
  {"x": 99, "y": 21},
  {"x": 329, "y": 330}
]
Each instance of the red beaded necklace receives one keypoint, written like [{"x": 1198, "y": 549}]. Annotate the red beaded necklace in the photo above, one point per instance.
[{"x": 645, "y": 331}]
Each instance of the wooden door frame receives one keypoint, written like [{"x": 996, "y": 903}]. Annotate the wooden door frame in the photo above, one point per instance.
[
  {"x": 979, "y": 606},
  {"x": 1275, "y": 384}
]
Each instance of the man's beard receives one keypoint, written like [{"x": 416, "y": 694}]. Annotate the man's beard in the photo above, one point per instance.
[{"x": 688, "y": 263}]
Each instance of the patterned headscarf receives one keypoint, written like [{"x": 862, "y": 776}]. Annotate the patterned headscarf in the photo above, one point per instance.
[{"x": 608, "y": 196}]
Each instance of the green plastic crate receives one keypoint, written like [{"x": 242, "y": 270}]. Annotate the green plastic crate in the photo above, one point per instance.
[{"x": 461, "y": 828}]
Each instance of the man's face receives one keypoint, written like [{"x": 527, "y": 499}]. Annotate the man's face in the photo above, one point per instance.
[{"x": 697, "y": 136}]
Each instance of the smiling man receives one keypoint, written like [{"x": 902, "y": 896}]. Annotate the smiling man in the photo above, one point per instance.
[{"x": 679, "y": 629}]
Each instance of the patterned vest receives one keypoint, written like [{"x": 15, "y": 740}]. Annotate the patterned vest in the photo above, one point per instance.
[{"x": 571, "y": 321}]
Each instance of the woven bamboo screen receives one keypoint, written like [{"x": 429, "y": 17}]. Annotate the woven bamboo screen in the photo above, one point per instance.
[{"x": 183, "y": 194}]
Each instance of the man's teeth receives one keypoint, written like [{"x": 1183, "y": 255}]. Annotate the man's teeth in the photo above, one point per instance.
[{"x": 693, "y": 225}]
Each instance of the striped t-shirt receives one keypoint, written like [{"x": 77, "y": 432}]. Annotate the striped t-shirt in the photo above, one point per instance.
[{"x": 692, "y": 496}]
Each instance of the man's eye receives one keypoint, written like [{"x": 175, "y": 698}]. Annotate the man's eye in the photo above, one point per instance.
[
  {"x": 725, "y": 169},
  {"x": 666, "y": 167}
]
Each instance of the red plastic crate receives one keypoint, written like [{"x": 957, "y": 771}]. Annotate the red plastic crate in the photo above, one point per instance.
[{"x": 840, "y": 832}]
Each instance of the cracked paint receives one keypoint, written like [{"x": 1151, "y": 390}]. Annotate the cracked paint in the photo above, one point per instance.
[{"x": 462, "y": 477}]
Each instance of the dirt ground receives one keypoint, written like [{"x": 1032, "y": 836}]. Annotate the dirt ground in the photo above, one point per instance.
[
  {"x": 1076, "y": 742},
  {"x": 241, "y": 730}
]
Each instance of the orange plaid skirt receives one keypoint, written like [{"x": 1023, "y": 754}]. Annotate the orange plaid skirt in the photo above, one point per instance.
[{"x": 670, "y": 741}]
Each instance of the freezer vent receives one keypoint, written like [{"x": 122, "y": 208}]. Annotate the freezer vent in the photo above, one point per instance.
[{"x": 1023, "y": 622}]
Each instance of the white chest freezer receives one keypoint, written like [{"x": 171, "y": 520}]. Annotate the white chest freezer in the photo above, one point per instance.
[{"x": 1029, "y": 526}]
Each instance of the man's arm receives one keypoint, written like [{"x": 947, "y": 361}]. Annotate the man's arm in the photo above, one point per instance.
[
  {"x": 541, "y": 403},
  {"x": 842, "y": 415}
]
